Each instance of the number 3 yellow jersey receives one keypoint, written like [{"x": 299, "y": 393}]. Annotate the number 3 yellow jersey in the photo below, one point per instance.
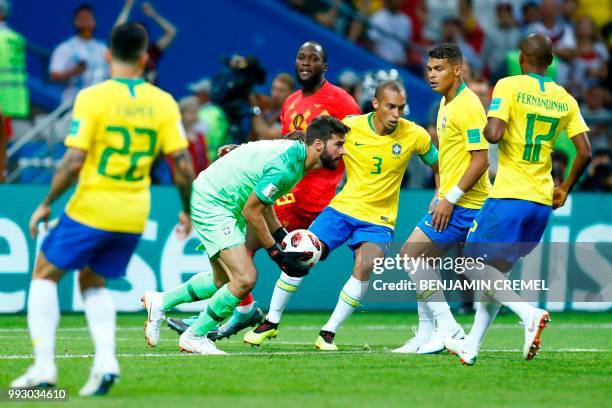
[
  {"x": 375, "y": 166},
  {"x": 122, "y": 124},
  {"x": 535, "y": 110}
]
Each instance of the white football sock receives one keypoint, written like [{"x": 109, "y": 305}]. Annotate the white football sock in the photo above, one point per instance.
[
  {"x": 101, "y": 316},
  {"x": 435, "y": 301},
  {"x": 426, "y": 320},
  {"x": 509, "y": 298},
  {"x": 285, "y": 287},
  {"x": 245, "y": 310},
  {"x": 350, "y": 296},
  {"x": 43, "y": 318},
  {"x": 442, "y": 314},
  {"x": 485, "y": 314}
]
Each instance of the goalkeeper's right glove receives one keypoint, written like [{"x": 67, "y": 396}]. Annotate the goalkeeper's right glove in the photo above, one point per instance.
[{"x": 288, "y": 261}]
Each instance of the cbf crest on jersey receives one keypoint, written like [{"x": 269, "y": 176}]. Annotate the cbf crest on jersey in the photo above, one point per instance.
[
  {"x": 443, "y": 122},
  {"x": 396, "y": 149}
]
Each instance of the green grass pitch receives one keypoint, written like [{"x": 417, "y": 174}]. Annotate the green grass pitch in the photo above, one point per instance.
[{"x": 574, "y": 367}]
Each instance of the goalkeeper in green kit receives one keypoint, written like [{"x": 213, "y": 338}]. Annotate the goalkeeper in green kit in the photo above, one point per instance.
[{"x": 237, "y": 191}]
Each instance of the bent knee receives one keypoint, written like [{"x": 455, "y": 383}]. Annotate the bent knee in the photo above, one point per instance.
[
  {"x": 89, "y": 279},
  {"x": 44, "y": 269},
  {"x": 246, "y": 281}
]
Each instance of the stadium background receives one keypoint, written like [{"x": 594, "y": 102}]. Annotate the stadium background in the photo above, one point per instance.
[{"x": 208, "y": 29}]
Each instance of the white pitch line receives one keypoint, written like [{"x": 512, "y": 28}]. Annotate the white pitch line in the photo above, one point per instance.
[
  {"x": 274, "y": 342},
  {"x": 244, "y": 353},
  {"x": 284, "y": 353},
  {"x": 175, "y": 340},
  {"x": 502, "y": 326}
]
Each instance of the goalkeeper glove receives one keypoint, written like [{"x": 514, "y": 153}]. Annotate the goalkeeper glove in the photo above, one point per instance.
[
  {"x": 279, "y": 234},
  {"x": 288, "y": 261}
]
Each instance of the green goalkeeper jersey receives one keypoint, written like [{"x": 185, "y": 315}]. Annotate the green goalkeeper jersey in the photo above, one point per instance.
[{"x": 270, "y": 169}]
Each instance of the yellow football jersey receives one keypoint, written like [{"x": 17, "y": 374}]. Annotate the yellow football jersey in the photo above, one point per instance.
[
  {"x": 122, "y": 124},
  {"x": 459, "y": 126},
  {"x": 375, "y": 166},
  {"x": 535, "y": 110}
]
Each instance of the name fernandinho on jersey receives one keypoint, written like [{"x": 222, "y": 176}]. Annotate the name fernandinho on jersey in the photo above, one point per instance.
[{"x": 549, "y": 104}]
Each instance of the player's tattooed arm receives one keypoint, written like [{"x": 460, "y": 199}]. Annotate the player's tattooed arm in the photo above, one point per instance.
[
  {"x": 183, "y": 176},
  {"x": 66, "y": 173}
]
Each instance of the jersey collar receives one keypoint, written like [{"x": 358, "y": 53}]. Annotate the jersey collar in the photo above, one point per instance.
[
  {"x": 541, "y": 79},
  {"x": 131, "y": 83},
  {"x": 370, "y": 116},
  {"x": 461, "y": 88}
]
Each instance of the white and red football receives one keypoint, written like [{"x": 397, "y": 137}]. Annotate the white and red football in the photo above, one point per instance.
[{"x": 305, "y": 242}]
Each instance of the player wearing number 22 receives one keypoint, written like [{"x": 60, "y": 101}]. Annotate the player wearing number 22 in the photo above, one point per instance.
[
  {"x": 527, "y": 113},
  {"x": 118, "y": 128},
  {"x": 378, "y": 149}
]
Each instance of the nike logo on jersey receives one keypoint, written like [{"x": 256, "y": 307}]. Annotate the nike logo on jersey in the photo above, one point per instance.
[{"x": 359, "y": 144}]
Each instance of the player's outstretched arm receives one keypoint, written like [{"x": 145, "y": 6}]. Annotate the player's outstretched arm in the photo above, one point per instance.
[
  {"x": 583, "y": 158},
  {"x": 169, "y": 28},
  {"x": 124, "y": 15},
  {"x": 494, "y": 131},
  {"x": 66, "y": 173},
  {"x": 183, "y": 179}
]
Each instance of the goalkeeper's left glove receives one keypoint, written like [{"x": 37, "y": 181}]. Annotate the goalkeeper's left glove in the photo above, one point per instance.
[{"x": 279, "y": 234}]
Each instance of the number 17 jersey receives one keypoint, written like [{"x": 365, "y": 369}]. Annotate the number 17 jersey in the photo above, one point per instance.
[
  {"x": 122, "y": 124},
  {"x": 535, "y": 110}
]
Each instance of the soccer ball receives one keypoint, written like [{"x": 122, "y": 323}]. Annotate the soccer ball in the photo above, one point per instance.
[{"x": 303, "y": 241}]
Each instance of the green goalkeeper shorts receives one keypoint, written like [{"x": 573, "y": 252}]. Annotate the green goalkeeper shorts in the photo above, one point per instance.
[{"x": 217, "y": 227}]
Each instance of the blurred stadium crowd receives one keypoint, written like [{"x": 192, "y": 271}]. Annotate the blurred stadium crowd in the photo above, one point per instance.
[{"x": 398, "y": 31}]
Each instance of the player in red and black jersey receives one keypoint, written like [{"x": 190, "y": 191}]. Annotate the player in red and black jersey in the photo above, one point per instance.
[
  {"x": 299, "y": 208},
  {"x": 317, "y": 97}
]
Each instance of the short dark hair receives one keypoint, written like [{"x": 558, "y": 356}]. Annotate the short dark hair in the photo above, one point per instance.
[
  {"x": 448, "y": 51},
  {"x": 318, "y": 44},
  {"x": 391, "y": 84},
  {"x": 323, "y": 128},
  {"x": 128, "y": 42},
  {"x": 537, "y": 49},
  {"x": 83, "y": 7}
]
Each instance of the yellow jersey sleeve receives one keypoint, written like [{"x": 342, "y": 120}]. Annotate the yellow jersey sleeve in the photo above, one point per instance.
[
  {"x": 460, "y": 128},
  {"x": 84, "y": 122},
  {"x": 472, "y": 125},
  {"x": 502, "y": 100},
  {"x": 423, "y": 143},
  {"x": 576, "y": 124},
  {"x": 172, "y": 134}
]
